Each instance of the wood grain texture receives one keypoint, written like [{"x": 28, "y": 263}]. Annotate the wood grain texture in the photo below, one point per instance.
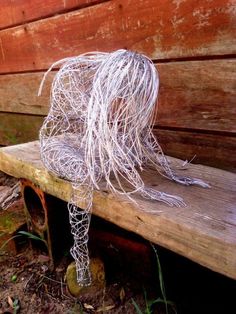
[
  {"x": 204, "y": 231},
  {"x": 161, "y": 29},
  {"x": 198, "y": 95},
  {"x": 19, "y": 128},
  {"x": 209, "y": 149},
  {"x": 193, "y": 94},
  {"x": 17, "y": 12},
  {"x": 19, "y": 93}
]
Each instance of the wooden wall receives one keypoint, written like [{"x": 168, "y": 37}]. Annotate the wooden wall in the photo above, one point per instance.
[{"x": 193, "y": 44}]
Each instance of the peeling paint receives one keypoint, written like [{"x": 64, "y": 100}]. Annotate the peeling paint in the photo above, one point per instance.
[
  {"x": 2, "y": 50},
  {"x": 206, "y": 115},
  {"x": 177, "y": 3},
  {"x": 202, "y": 16},
  {"x": 175, "y": 21},
  {"x": 18, "y": 32}
]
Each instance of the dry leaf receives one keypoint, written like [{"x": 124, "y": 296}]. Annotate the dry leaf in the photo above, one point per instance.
[
  {"x": 10, "y": 301},
  {"x": 105, "y": 308},
  {"x": 88, "y": 306},
  {"x": 122, "y": 294}
]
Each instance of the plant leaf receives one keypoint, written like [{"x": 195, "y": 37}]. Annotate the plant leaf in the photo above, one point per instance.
[
  {"x": 161, "y": 281},
  {"x": 88, "y": 306},
  {"x": 105, "y": 308},
  {"x": 122, "y": 294},
  {"x": 30, "y": 235},
  {"x": 136, "y": 307},
  {"x": 5, "y": 243},
  {"x": 10, "y": 302}
]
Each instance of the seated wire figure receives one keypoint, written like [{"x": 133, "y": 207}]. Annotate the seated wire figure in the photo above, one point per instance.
[{"x": 99, "y": 127}]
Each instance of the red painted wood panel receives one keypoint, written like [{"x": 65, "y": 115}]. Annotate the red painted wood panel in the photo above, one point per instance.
[
  {"x": 161, "y": 29},
  {"x": 15, "y": 12}
]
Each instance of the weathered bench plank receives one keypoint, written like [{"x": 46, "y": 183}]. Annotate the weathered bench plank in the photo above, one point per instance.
[{"x": 204, "y": 231}]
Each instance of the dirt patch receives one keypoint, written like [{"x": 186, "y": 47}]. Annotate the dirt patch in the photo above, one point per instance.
[{"x": 27, "y": 280}]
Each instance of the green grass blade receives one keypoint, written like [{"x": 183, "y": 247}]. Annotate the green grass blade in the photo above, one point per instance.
[
  {"x": 30, "y": 235},
  {"x": 5, "y": 243},
  {"x": 136, "y": 307},
  {"x": 161, "y": 280}
]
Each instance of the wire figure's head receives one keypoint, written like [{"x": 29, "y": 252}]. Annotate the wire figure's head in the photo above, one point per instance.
[{"x": 125, "y": 87}]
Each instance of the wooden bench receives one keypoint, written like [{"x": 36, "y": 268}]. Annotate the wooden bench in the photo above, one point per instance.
[{"x": 204, "y": 231}]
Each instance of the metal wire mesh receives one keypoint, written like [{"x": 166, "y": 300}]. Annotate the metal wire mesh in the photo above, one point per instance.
[{"x": 100, "y": 127}]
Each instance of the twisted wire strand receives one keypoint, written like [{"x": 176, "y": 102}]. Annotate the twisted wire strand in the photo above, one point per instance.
[{"x": 80, "y": 221}]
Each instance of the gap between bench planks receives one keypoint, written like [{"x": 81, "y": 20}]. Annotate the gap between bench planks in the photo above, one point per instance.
[{"x": 204, "y": 231}]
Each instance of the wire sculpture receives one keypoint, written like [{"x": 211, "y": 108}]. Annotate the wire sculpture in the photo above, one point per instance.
[{"x": 99, "y": 127}]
